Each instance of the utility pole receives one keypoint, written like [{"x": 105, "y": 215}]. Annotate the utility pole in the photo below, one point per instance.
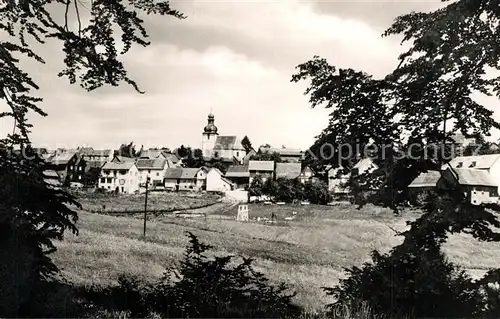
[{"x": 146, "y": 205}]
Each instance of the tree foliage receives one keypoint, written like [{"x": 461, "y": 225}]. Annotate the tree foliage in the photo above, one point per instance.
[
  {"x": 425, "y": 100},
  {"x": 33, "y": 212},
  {"x": 247, "y": 145}
]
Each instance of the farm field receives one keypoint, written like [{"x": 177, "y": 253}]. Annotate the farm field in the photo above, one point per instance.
[
  {"x": 308, "y": 252},
  {"x": 163, "y": 200}
]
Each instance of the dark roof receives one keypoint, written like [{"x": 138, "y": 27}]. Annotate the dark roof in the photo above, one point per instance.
[
  {"x": 288, "y": 170},
  {"x": 189, "y": 173},
  {"x": 173, "y": 173},
  {"x": 237, "y": 171},
  {"x": 94, "y": 164},
  {"x": 227, "y": 143},
  {"x": 181, "y": 173},
  {"x": 157, "y": 163}
]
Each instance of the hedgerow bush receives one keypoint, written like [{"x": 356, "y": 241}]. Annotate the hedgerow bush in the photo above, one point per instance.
[{"x": 200, "y": 287}]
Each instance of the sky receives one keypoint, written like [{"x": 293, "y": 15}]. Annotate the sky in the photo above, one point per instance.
[{"x": 232, "y": 58}]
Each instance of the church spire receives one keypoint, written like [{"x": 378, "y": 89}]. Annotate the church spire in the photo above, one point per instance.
[{"x": 211, "y": 128}]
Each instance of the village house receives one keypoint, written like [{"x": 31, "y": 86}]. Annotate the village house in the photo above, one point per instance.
[
  {"x": 239, "y": 175},
  {"x": 478, "y": 185},
  {"x": 68, "y": 165},
  {"x": 185, "y": 179},
  {"x": 424, "y": 184},
  {"x": 288, "y": 170},
  {"x": 264, "y": 169},
  {"x": 216, "y": 182},
  {"x": 286, "y": 154},
  {"x": 307, "y": 175},
  {"x": 154, "y": 169},
  {"x": 120, "y": 177}
]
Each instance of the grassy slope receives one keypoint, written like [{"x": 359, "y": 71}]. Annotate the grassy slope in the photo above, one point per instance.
[{"x": 307, "y": 253}]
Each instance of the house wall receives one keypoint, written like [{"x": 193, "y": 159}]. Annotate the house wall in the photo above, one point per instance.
[
  {"x": 188, "y": 185},
  {"x": 126, "y": 181},
  {"x": 171, "y": 184},
  {"x": 215, "y": 183},
  {"x": 482, "y": 194},
  {"x": 201, "y": 179},
  {"x": 495, "y": 172},
  {"x": 156, "y": 175}
]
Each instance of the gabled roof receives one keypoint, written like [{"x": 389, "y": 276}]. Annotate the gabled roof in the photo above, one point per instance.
[
  {"x": 261, "y": 166},
  {"x": 227, "y": 143},
  {"x": 122, "y": 159},
  {"x": 237, "y": 171},
  {"x": 189, "y": 173},
  {"x": 474, "y": 177},
  {"x": 172, "y": 157},
  {"x": 62, "y": 158},
  {"x": 49, "y": 174},
  {"x": 426, "y": 179},
  {"x": 173, "y": 173},
  {"x": 157, "y": 163},
  {"x": 288, "y": 170},
  {"x": 215, "y": 169},
  {"x": 151, "y": 154},
  {"x": 481, "y": 161},
  {"x": 118, "y": 166},
  {"x": 94, "y": 164}
]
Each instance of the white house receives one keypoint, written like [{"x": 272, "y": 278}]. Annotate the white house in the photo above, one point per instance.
[
  {"x": 217, "y": 182},
  {"x": 487, "y": 163},
  {"x": 337, "y": 180},
  {"x": 122, "y": 177},
  {"x": 155, "y": 169},
  {"x": 185, "y": 179}
]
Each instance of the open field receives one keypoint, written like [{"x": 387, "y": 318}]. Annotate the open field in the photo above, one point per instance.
[
  {"x": 307, "y": 253},
  {"x": 156, "y": 201}
]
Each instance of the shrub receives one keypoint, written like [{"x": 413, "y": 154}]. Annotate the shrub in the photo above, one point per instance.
[{"x": 201, "y": 287}]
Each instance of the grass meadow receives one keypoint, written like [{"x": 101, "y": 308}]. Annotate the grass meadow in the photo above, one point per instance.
[{"x": 308, "y": 252}]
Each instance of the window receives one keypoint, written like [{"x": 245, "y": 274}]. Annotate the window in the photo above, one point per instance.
[
  {"x": 122, "y": 189},
  {"x": 460, "y": 164},
  {"x": 103, "y": 180},
  {"x": 110, "y": 180},
  {"x": 149, "y": 171},
  {"x": 157, "y": 174},
  {"x": 473, "y": 164}
]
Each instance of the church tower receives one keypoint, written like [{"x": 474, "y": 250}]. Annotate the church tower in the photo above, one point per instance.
[{"x": 209, "y": 136}]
